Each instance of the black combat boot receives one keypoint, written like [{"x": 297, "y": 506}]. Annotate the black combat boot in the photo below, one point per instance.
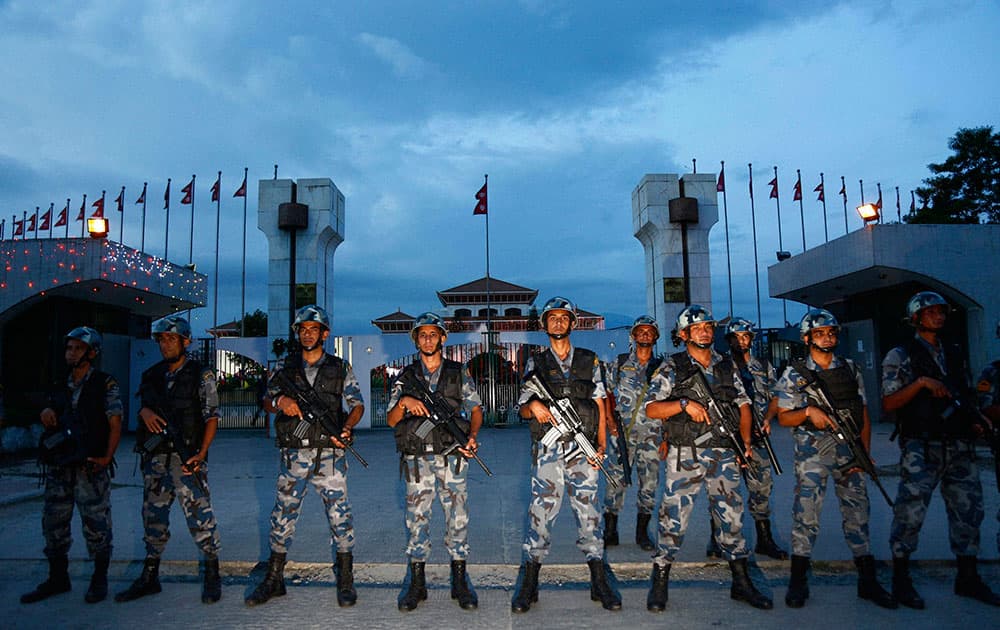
[
  {"x": 642, "y": 532},
  {"x": 798, "y": 583},
  {"x": 527, "y": 594},
  {"x": 868, "y": 586},
  {"x": 743, "y": 588},
  {"x": 461, "y": 586},
  {"x": 57, "y": 582},
  {"x": 211, "y": 590},
  {"x": 610, "y": 529},
  {"x": 98, "y": 589},
  {"x": 274, "y": 581},
  {"x": 969, "y": 584},
  {"x": 902, "y": 585},
  {"x": 656, "y": 600},
  {"x": 765, "y": 541},
  {"x": 344, "y": 570},
  {"x": 414, "y": 588},
  {"x": 600, "y": 588},
  {"x": 148, "y": 582}
]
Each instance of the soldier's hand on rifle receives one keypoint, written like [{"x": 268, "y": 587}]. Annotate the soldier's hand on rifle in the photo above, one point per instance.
[
  {"x": 540, "y": 411},
  {"x": 663, "y": 449},
  {"x": 98, "y": 463},
  {"x": 288, "y": 406},
  {"x": 935, "y": 387},
  {"x": 697, "y": 411},
  {"x": 470, "y": 447},
  {"x": 413, "y": 406},
  {"x": 346, "y": 438},
  {"x": 193, "y": 463},
  {"x": 153, "y": 422},
  {"x": 49, "y": 418},
  {"x": 595, "y": 462},
  {"x": 818, "y": 418}
]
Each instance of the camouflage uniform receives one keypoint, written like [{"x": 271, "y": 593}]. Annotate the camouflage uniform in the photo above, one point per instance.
[
  {"x": 817, "y": 457},
  {"x": 164, "y": 480},
  {"x": 324, "y": 468},
  {"x": 926, "y": 462},
  {"x": 759, "y": 486},
  {"x": 690, "y": 467},
  {"x": 629, "y": 380},
  {"x": 79, "y": 484},
  {"x": 553, "y": 475},
  {"x": 442, "y": 475},
  {"x": 988, "y": 390}
]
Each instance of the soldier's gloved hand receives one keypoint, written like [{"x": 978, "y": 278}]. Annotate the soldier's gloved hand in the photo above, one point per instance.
[
  {"x": 540, "y": 411},
  {"x": 49, "y": 418},
  {"x": 346, "y": 437},
  {"x": 153, "y": 422},
  {"x": 470, "y": 447},
  {"x": 818, "y": 418},
  {"x": 935, "y": 387},
  {"x": 697, "y": 411},
  {"x": 595, "y": 462}
]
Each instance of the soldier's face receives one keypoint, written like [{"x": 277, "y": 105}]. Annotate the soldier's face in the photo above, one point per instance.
[
  {"x": 825, "y": 337},
  {"x": 76, "y": 350},
  {"x": 429, "y": 339},
  {"x": 700, "y": 333},
  {"x": 558, "y": 322},
  {"x": 932, "y": 317},
  {"x": 311, "y": 333},
  {"x": 172, "y": 345},
  {"x": 644, "y": 335},
  {"x": 744, "y": 339}
]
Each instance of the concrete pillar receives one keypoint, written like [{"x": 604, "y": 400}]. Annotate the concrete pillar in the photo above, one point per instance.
[
  {"x": 315, "y": 245},
  {"x": 662, "y": 241}
]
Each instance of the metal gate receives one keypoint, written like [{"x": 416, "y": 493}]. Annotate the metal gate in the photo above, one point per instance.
[
  {"x": 241, "y": 383},
  {"x": 497, "y": 375}
]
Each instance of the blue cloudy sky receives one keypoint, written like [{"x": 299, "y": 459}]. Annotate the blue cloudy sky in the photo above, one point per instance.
[{"x": 405, "y": 105}]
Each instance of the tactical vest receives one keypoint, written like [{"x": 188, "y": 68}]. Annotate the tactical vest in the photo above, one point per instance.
[
  {"x": 578, "y": 388},
  {"x": 329, "y": 387},
  {"x": 681, "y": 430},
  {"x": 438, "y": 441},
  {"x": 180, "y": 405},
  {"x": 89, "y": 421},
  {"x": 841, "y": 385},
  {"x": 922, "y": 416},
  {"x": 651, "y": 366}
]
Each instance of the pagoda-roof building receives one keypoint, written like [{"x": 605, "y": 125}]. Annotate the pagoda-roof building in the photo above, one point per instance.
[{"x": 467, "y": 307}]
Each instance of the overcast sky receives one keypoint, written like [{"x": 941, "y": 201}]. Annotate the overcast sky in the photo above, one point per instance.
[{"x": 405, "y": 105}]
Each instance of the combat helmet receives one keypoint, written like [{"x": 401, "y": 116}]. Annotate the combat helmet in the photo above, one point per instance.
[
  {"x": 172, "y": 324},
  {"x": 693, "y": 314},
  {"x": 87, "y": 335},
  {"x": 310, "y": 313},
  {"x": 817, "y": 318},
  {"x": 740, "y": 324},
  {"x": 922, "y": 300},
  {"x": 428, "y": 319},
  {"x": 558, "y": 304},
  {"x": 645, "y": 320}
]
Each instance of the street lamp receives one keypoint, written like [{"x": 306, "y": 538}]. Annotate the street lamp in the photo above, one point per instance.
[
  {"x": 97, "y": 227},
  {"x": 868, "y": 212}
]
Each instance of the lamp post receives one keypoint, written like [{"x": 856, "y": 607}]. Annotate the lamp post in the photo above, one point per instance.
[
  {"x": 97, "y": 227},
  {"x": 868, "y": 212}
]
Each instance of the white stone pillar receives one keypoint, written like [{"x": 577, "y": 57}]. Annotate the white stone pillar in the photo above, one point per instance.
[{"x": 662, "y": 241}]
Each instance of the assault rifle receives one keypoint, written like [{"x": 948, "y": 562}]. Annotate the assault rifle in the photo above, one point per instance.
[
  {"x": 566, "y": 422},
  {"x": 64, "y": 445},
  {"x": 171, "y": 435},
  {"x": 314, "y": 411},
  {"x": 758, "y": 432},
  {"x": 621, "y": 442},
  {"x": 442, "y": 416},
  {"x": 723, "y": 423},
  {"x": 844, "y": 431}
]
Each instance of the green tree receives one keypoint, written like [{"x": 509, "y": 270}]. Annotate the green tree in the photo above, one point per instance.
[
  {"x": 255, "y": 324},
  {"x": 965, "y": 188}
]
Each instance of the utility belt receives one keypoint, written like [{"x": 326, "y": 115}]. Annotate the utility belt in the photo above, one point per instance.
[{"x": 408, "y": 462}]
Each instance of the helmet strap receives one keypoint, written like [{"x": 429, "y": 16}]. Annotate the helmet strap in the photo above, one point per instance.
[
  {"x": 557, "y": 337},
  {"x": 644, "y": 344}
]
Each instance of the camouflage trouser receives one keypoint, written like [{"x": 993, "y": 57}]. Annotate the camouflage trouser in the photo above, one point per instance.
[
  {"x": 812, "y": 467},
  {"x": 686, "y": 471},
  {"x": 759, "y": 486},
  {"x": 643, "y": 447},
  {"x": 91, "y": 492},
  {"x": 553, "y": 475},
  {"x": 922, "y": 465},
  {"x": 162, "y": 483},
  {"x": 297, "y": 468},
  {"x": 430, "y": 475}
]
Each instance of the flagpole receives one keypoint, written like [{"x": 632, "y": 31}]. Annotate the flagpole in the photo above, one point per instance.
[
  {"x": 725, "y": 219},
  {"x": 52, "y": 207},
  {"x": 756, "y": 264},
  {"x": 878, "y": 185},
  {"x": 35, "y": 222},
  {"x": 166, "y": 230},
  {"x": 121, "y": 208},
  {"x": 24, "y": 225},
  {"x": 142, "y": 239},
  {"x": 243, "y": 279},
  {"x": 822, "y": 187},
  {"x": 489, "y": 329},
  {"x": 781, "y": 246},
  {"x": 843, "y": 193},
  {"x": 67, "y": 218},
  {"x": 215, "y": 291},
  {"x": 191, "y": 239},
  {"x": 899, "y": 213},
  {"x": 802, "y": 214},
  {"x": 83, "y": 216}
]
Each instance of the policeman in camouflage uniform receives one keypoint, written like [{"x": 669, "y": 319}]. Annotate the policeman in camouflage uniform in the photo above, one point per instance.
[
  {"x": 317, "y": 458},
  {"x": 435, "y": 464},
  {"x": 818, "y": 456},
  {"x": 82, "y": 428},
  {"x": 926, "y": 383},
  {"x": 181, "y": 392},
  {"x": 713, "y": 463},
  {"x": 574, "y": 374},
  {"x": 628, "y": 380},
  {"x": 988, "y": 390}
]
